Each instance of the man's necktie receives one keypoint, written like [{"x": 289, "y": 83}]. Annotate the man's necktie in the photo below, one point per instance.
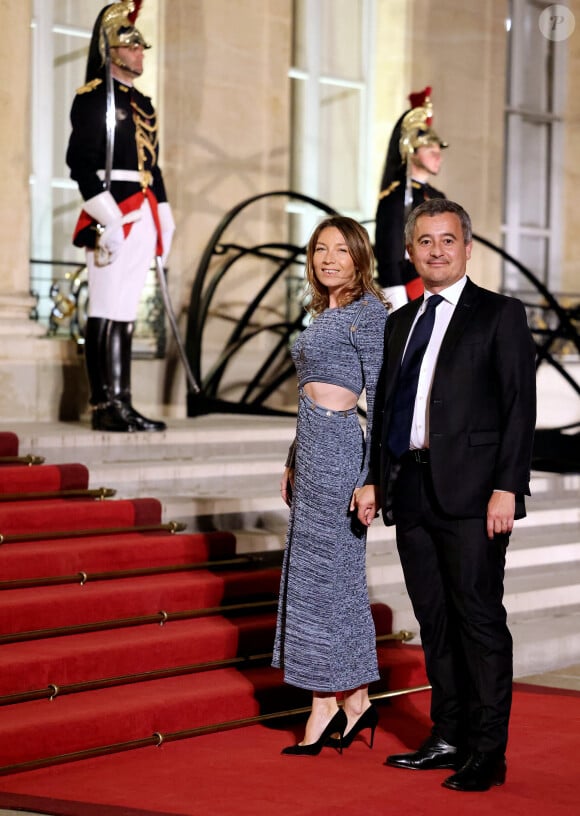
[{"x": 406, "y": 389}]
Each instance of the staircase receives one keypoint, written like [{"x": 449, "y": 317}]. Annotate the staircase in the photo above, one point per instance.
[
  {"x": 119, "y": 630},
  {"x": 222, "y": 473}
]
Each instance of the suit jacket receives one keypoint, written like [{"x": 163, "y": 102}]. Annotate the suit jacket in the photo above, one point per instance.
[{"x": 482, "y": 404}]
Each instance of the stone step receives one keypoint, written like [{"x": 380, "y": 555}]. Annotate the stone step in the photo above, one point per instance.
[
  {"x": 544, "y": 618},
  {"x": 542, "y": 545},
  {"x": 201, "y": 477},
  {"x": 545, "y": 638},
  {"x": 192, "y": 439},
  {"x": 533, "y": 547},
  {"x": 542, "y": 587},
  {"x": 249, "y": 511},
  {"x": 541, "y": 576}
]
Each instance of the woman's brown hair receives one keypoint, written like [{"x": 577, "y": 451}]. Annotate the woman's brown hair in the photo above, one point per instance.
[{"x": 360, "y": 249}]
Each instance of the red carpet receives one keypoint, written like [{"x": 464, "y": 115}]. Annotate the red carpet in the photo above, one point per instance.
[
  {"x": 16, "y": 478},
  {"x": 126, "y": 655},
  {"x": 9, "y": 444},
  {"x": 241, "y": 773}
]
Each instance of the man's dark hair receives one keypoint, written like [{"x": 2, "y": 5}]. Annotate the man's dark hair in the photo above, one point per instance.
[{"x": 438, "y": 206}]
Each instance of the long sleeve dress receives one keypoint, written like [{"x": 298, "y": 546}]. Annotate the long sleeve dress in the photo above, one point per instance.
[{"x": 325, "y": 638}]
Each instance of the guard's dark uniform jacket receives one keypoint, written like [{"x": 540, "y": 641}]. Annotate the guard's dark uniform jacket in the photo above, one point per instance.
[
  {"x": 394, "y": 269},
  {"x": 136, "y": 149}
]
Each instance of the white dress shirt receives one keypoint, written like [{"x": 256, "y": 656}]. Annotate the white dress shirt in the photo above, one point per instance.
[{"x": 443, "y": 314}]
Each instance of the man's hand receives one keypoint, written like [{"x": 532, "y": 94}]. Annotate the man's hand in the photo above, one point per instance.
[
  {"x": 501, "y": 509},
  {"x": 366, "y": 501}
]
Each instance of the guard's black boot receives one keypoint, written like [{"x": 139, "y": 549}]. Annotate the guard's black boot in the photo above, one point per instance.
[
  {"x": 106, "y": 416},
  {"x": 95, "y": 359},
  {"x": 122, "y": 339}
]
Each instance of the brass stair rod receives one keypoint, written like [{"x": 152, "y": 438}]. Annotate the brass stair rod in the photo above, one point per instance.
[
  {"x": 78, "y": 493},
  {"x": 83, "y": 577},
  {"x": 29, "y": 459},
  {"x": 54, "y": 690},
  {"x": 161, "y": 618},
  {"x": 88, "y": 753},
  {"x": 275, "y": 715},
  {"x": 172, "y": 527},
  {"x": 157, "y": 739}
]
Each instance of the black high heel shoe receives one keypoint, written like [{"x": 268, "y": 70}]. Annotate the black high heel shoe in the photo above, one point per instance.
[
  {"x": 368, "y": 719},
  {"x": 337, "y": 723}
]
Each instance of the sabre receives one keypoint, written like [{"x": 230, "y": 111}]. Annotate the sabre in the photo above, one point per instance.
[
  {"x": 191, "y": 381},
  {"x": 110, "y": 117}
]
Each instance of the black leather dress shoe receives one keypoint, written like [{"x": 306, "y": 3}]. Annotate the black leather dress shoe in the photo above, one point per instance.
[
  {"x": 434, "y": 754},
  {"x": 143, "y": 423},
  {"x": 112, "y": 417},
  {"x": 480, "y": 772}
]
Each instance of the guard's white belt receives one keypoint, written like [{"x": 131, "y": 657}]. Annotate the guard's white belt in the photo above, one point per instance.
[{"x": 122, "y": 175}]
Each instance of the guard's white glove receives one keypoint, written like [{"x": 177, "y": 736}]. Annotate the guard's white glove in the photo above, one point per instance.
[
  {"x": 396, "y": 296},
  {"x": 110, "y": 236},
  {"x": 167, "y": 228}
]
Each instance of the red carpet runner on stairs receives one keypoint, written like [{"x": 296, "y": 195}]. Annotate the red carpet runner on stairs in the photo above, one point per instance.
[{"x": 114, "y": 629}]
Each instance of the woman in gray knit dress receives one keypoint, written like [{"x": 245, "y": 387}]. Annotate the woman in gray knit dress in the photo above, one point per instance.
[{"x": 325, "y": 636}]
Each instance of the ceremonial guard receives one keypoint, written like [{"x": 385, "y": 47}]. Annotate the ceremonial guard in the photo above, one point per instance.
[
  {"x": 413, "y": 155},
  {"x": 126, "y": 219}
]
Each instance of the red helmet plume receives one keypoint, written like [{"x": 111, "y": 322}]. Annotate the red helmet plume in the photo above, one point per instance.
[{"x": 135, "y": 13}]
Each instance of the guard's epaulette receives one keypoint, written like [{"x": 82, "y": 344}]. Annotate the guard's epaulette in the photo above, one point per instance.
[
  {"x": 90, "y": 86},
  {"x": 392, "y": 186}
]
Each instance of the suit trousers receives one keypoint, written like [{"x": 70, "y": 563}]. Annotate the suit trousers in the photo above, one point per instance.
[{"x": 454, "y": 576}]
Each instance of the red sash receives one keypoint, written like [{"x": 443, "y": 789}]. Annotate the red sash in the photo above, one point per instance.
[{"x": 134, "y": 202}]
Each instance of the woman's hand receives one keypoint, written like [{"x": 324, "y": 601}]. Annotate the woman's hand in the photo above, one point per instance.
[{"x": 287, "y": 485}]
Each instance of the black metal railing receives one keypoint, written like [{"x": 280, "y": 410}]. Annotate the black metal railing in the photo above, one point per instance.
[{"x": 273, "y": 367}]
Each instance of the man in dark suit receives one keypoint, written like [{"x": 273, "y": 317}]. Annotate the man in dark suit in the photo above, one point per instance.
[{"x": 452, "y": 476}]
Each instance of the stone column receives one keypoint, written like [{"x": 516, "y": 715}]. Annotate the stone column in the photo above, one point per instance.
[
  {"x": 34, "y": 370},
  {"x": 15, "y": 302}
]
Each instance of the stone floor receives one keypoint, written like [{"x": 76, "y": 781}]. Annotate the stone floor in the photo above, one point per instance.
[{"x": 567, "y": 678}]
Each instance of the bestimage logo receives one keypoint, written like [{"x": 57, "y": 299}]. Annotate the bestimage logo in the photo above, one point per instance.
[{"x": 557, "y": 23}]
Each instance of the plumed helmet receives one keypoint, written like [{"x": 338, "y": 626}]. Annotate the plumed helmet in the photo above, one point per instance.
[
  {"x": 416, "y": 130},
  {"x": 412, "y": 130},
  {"x": 115, "y": 25}
]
